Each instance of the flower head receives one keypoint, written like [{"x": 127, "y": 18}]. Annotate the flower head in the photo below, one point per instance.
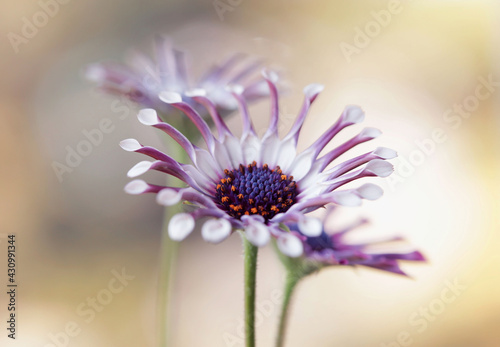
[
  {"x": 144, "y": 78},
  {"x": 257, "y": 184},
  {"x": 332, "y": 248}
]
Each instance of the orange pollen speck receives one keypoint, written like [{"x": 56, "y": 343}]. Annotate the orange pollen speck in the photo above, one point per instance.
[{"x": 225, "y": 199}]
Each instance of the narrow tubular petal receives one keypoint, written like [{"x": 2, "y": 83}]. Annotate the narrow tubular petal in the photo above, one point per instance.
[
  {"x": 175, "y": 100},
  {"x": 350, "y": 116},
  {"x": 271, "y": 78},
  {"x": 366, "y": 135},
  {"x": 170, "y": 196},
  {"x": 248, "y": 128},
  {"x": 375, "y": 167},
  {"x": 290, "y": 245},
  {"x": 200, "y": 97},
  {"x": 348, "y": 165},
  {"x": 168, "y": 166},
  {"x": 137, "y": 187},
  {"x": 133, "y": 145},
  {"x": 216, "y": 230},
  {"x": 180, "y": 226},
  {"x": 343, "y": 197},
  {"x": 130, "y": 145},
  {"x": 311, "y": 92},
  {"x": 178, "y": 137}
]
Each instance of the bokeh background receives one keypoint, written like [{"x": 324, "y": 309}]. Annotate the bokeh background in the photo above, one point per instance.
[{"x": 72, "y": 234}]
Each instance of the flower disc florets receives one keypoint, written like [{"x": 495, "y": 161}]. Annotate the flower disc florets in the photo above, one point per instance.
[{"x": 251, "y": 190}]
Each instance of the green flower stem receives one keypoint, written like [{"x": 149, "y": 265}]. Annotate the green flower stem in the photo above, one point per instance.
[
  {"x": 291, "y": 282},
  {"x": 168, "y": 254},
  {"x": 250, "y": 286}
]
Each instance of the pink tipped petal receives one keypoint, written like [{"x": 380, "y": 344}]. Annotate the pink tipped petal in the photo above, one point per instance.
[
  {"x": 140, "y": 168},
  {"x": 385, "y": 153},
  {"x": 310, "y": 226},
  {"x": 180, "y": 226},
  {"x": 168, "y": 197},
  {"x": 290, "y": 245},
  {"x": 370, "y": 133},
  {"x": 148, "y": 116},
  {"x": 170, "y": 97},
  {"x": 130, "y": 145},
  {"x": 353, "y": 115},
  {"x": 257, "y": 233},
  {"x": 312, "y": 90},
  {"x": 137, "y": 187},
  {"x": 379, "y": 167},
  {"x": 370, "y": 191},
  {"x": 216, "y": 230}
]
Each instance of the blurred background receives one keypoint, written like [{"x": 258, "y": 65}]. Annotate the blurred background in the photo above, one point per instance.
[{"x": 412, "y": 75}]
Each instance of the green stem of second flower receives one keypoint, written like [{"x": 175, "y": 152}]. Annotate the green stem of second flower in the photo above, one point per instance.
[
  {"x": 168, "y": 254},
  {"x": 291, "y": 282},
  {"x": 250, "y": 286}
]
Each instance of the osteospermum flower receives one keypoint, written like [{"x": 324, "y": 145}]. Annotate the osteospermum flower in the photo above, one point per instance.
[
  {"x": 144, "y": 78},
  {"x": 256, "y": 184},
  {"x": 332, "y": 248}
]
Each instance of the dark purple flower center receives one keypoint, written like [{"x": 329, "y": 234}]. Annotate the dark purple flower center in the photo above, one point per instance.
[{"x": 256, "y": 190}]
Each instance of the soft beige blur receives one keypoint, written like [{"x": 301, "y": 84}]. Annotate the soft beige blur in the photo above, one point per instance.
[{"x": 71, "y": 235}]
